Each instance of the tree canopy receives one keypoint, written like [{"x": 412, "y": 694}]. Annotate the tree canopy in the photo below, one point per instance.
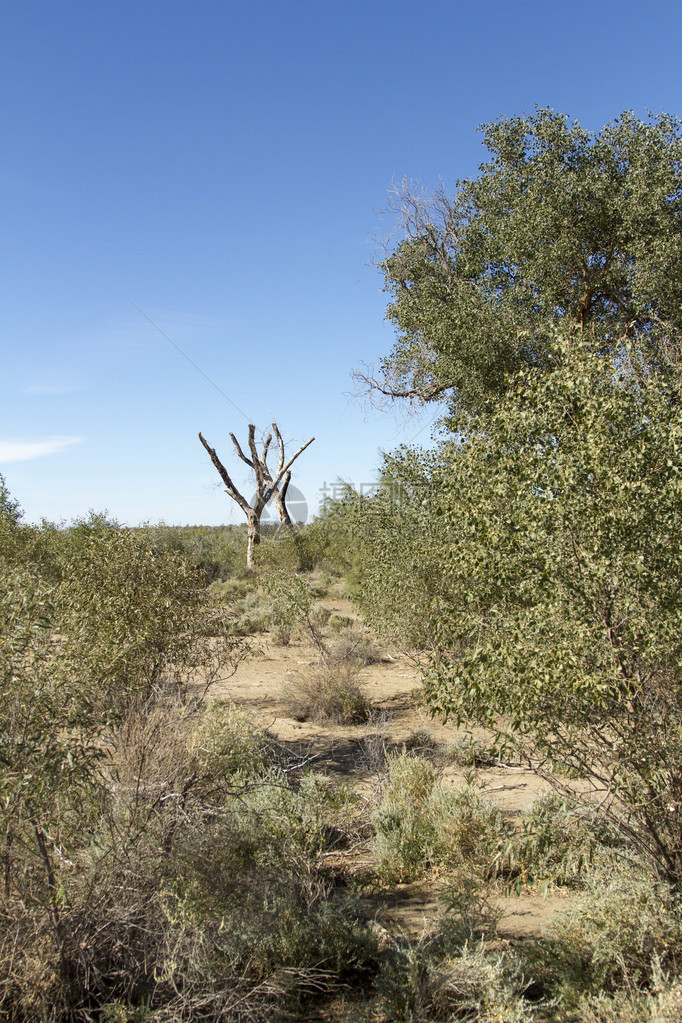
[
  {"x": 563, "y": 228},
  {"x": 536, "y": 553}
]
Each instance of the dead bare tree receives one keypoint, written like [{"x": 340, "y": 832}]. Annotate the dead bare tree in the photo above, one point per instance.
[{"x": 268, "y": 487}]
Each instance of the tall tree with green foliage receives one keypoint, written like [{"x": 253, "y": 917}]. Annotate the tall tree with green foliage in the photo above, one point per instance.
[
  {"x": 562, "y": 229},
  {"x": 543, "y": 305}
]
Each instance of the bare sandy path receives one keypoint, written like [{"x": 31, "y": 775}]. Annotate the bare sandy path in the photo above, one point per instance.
[{"x": 392, "y": 686}]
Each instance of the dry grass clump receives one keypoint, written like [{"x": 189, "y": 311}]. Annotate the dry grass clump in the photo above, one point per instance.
[
  {"x": 420, "y": 741},
  {"x": 320, "y": 616},
  {"x": 664, "y": 1005},
  {"x": 560, "y": 842},
  {"x": 627, "y": 922},
  {"x": 355, "y": 647},
  {"x": 467, "y": 750},
  {"x": 328, "y": 694},
  {"x": 445, "y": 977},
  {"x": 340, "y": 623},
  {"x": 193, "y": 893},
  {"x": 225, "y": 743}
]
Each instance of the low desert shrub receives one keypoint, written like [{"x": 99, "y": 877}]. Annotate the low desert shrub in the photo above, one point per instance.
[
  {"x": 470, "y": 913},
  {"x": 663, "y": 1004},
  {"x": 281, "y": 637},
  {"x": 420, "y": 741},
  {"x": 622, "y": 937},
  {"x": 249, "y": 615},
  {"x": 328, "y": 694},
  {"x": 340, "y": 623},
  {"x": 186, "y": 900},
  {"x": 468, "y": 828},
  {"x": 230, "y": 590},
  {"x": 467, "y": 750},
  {"x": 356, "y": 647},
  {"x": 292, "y": 609},
  {"x": 226, "y": 744},
  {"x": 422, "y": 825},
  {"x": 438, "y": 979},
  {"x": 300, "y": 548},
  {"x": 320, "y": 616},
  {"x": 410, "y": 779},
  {"x": 401, "y": 841},
  {"x": 560, "y": 841},
  {"x": 404, "y": 831}
]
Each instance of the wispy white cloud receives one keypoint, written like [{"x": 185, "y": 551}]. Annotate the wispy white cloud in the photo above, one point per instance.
[{"x": 24, "y": 450}]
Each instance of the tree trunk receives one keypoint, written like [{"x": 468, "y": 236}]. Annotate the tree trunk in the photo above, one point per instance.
[
  {"x": 280, "y": 499},
  {"x": 253, "y": 538}
]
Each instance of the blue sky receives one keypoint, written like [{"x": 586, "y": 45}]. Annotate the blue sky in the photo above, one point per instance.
[{"x": 219, "y": 165}]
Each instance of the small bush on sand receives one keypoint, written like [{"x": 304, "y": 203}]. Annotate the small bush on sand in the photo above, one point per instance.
[
  {"x": 420, "y": 741},
  {"x": 437, "y": 979},
  {"x": 403, "y": 828},
  {"x": 560, "y": 841},
  {"x": 626, "y": 922},
  {"x": 328, "y": 694},
  {"x": 320, "y": 616},
  {"x": 340, "y": 623},
  {"x": 468, "y": 828},
  {"x": 467, "y": 750},
  {"x": 661, "y": 1005},
  {"x": 357, "y": 647},
  {"x": 421, "y": 825},
  {"x": 608, "y": 952},
  {"x": 249, "y": 615},
  {"x": 226, "y": 743}
]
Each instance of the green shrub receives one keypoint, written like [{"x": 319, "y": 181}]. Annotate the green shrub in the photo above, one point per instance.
[
  {"x": 436, "y": 979},
  {"x": 420, "y": 741},
  {"x": 661, "y": 1005},
  {"x": 225, "y": 743},
  {"x": 468, "y": 828},
  {"x": 340, "y": 623},
  {"x": 295, "y": 549},
  {"x": 217, "y": 551},
  {"x": 467, "y": 750},
  {"x": 101, "y": 634},
  {"x": 560, "y": 841},
  {"x": 230, "y": 590},
  {"x": 404, "y": 831},
  {"x": 421, "y": 824},
  {"x": 249, "y": 615},
  {"x": 625, "y": 932},
  {"x": 357, "y": 647},
  {"x": 410, "y": 780},
  {"x": 401, "y": 842},
  {"x": 320, "y": 617}
]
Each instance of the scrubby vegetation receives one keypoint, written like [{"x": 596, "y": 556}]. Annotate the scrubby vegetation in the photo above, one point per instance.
[
  {"x": 163, "y": 857},
  {"x": 159, "y": 852},
  {"x": 166, "y": 859}
]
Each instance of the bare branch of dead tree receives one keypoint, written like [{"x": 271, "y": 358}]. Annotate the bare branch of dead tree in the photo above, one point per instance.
[{"x": 267, "y": 485}]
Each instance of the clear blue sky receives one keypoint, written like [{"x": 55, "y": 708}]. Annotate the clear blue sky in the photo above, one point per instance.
[{"x": 220, "y": 165}]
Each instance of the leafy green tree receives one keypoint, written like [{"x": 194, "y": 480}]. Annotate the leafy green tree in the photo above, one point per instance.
[
  {"x": 562, "y": 228},
  {"x": 392, "y": 544},
  {"x": 543, "y": 306},
  {"x": 564, "y": 560}
]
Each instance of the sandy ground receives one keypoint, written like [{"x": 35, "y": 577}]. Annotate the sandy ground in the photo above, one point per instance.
[{"x": 393, "y": 689}]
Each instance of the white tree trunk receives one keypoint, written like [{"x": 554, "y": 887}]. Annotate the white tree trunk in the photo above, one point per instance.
[{"x": 253, "y": 538}]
